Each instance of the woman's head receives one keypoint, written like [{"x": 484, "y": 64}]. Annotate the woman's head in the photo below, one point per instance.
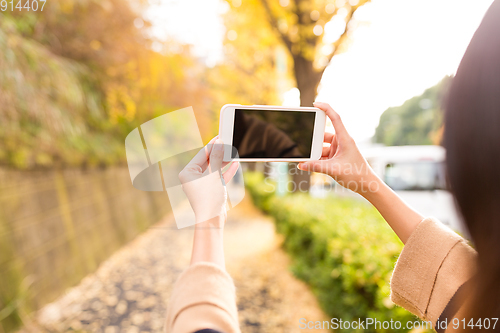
[{"x": 472, "y": 141}]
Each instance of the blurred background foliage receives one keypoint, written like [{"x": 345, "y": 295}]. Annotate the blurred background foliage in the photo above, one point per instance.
[
  {"x": 248, "y": 74},
  {"x": 417, "y": 122},
  {"x": 78, "y": 78}
]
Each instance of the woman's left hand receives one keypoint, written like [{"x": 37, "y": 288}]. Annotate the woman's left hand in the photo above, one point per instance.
[{"x": 204, "y": 183}]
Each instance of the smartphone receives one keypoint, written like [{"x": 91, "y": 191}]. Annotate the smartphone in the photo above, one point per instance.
[{"x": 260, "y": 133}]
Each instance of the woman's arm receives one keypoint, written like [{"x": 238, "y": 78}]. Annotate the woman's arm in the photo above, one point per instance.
[
  {"x": 435, "y": 261},
  {"x": 204, "y": 184},
  {"x": 204, "y": 295},
  {"x": 401, "y": 217},
  {"x": 343, "y": 161},
  {"x": 208, "y": 244}
]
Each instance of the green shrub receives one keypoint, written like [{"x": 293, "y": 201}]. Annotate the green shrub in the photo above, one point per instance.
[{"x": 341, "y": 247}]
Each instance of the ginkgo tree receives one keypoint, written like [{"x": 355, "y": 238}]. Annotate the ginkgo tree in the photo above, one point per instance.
[{"x": 311, "y": 31}]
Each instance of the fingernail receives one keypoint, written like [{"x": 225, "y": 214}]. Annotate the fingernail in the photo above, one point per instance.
[{"x": 300, "y": 166}]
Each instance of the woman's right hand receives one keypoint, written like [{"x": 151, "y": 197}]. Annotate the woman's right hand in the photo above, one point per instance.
[{"x": 342, "y": 159}]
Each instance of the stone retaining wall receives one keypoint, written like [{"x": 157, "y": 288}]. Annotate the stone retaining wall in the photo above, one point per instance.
[{"x": 57, "y": 226}]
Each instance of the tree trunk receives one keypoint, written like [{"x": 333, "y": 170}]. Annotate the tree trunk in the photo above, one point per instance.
[
  {"x": 307, "y": 96},
  {"x": 307, "y": 82},
  {"x": 307, "y": 79}
]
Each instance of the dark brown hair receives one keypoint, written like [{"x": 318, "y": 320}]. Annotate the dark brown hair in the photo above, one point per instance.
[{"x": 472, "y": 141}]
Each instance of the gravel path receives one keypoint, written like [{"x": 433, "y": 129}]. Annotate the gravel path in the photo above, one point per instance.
[{"x": 130, "y": 291}]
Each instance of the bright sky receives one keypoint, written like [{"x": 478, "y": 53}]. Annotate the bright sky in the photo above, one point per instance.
[{"x": 404, "y": 47}]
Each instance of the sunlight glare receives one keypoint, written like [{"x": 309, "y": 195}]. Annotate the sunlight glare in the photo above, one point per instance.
[
  {"x": 291, "y": 98},
  {"x": 330, "y": 8},
  {"x": 318, "y": 30},
  {"x": 284, "y": 3}
]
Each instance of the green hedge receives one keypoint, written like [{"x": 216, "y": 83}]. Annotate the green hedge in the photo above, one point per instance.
[{"x": 341, "y": 247}]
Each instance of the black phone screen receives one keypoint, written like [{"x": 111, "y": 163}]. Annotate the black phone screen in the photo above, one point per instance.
[{"x": 273, "y": 134}]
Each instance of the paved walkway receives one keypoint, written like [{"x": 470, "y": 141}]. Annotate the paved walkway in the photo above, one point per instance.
[{"x": 130, "y": 291}]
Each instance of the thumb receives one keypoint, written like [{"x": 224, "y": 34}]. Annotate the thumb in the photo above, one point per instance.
[
  {"x": 316, "y": 166},
  {"x": 216, "y": 156}
]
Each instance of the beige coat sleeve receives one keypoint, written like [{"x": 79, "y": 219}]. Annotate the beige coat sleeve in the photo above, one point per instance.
[
  {"x": 203, "y": 298},
  {"x": 434, "y": 263}
]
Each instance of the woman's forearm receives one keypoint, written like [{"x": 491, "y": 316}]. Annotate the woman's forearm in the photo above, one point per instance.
[
  {"x": 401, "y": 217},
  {"x": 208, "y": 242}
]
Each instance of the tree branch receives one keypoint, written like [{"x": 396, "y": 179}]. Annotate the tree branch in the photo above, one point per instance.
[
  {"x": 274, "y": 23},
  {"x": 297, "y": 11},
  {"x": 341, "y": 39}
]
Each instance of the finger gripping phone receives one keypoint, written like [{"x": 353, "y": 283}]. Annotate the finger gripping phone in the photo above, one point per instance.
[{"x": 259, "y": 133}]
